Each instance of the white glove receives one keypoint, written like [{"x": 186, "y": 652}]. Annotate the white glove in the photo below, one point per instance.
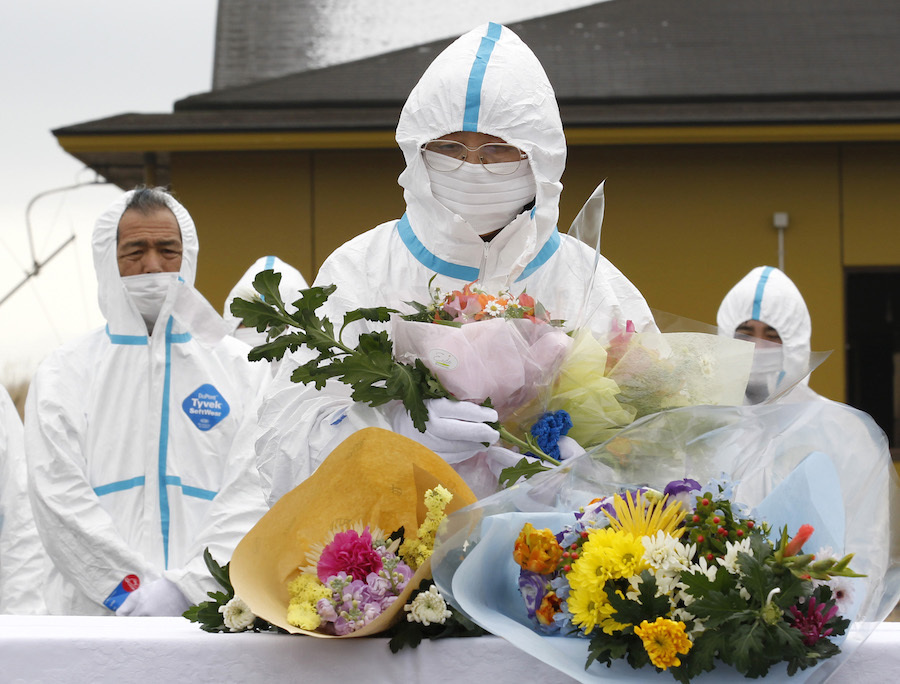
[
  {"x": 456, "y": 430},
  {"x": 159, "y": 598},
  {"x": 568, "y": 448}
]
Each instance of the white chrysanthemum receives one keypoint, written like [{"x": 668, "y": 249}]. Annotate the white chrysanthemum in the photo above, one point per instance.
[
  {"x": 428, "y": 608},
  {"x": 495, "y": 308},
  {"x": 702, "y": 567},
  {"x": 667, "y": 584},
  {"x": 732, "y": 549},
  {"x": 841, "y": 592},
  {"x": 237, "y": 615},
  {"x": 665, "y": 553}
]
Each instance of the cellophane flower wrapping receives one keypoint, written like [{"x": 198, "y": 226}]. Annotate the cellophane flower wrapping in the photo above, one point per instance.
[
  {"x": 818, "y": 463},
  {"x": 607, "y": 382},
  {"x": 375, "y": 478},
  {"x": 507, "y": 360}
]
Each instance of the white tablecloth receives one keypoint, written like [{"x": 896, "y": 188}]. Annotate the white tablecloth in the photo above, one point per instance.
[{"x": 50, "y": 649}]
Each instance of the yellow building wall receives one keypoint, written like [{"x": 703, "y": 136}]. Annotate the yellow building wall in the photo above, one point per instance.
[
  {"x": 683, "y": 222},
  {"x": 252, "y": 204},
  {"x": 871, "y": 174}
]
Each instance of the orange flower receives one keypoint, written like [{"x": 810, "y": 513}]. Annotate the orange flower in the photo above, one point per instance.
[
  {"x": 550, "y": 606},
  {"x": 802, "y": 536},
  {"x": 537, "y": 550}
]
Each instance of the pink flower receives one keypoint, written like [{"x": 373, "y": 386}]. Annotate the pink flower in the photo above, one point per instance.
[
  {"x": 351, "y": 552},
  {"x": 463, "y": 306}
]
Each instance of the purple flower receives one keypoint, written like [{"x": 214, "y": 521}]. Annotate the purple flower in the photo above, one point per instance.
[
  {"x": 325, "y": 609},
  {"x": 680, "y": 490},
  {"x": 684, "y": 486},
  {"x": 533, "y": 587},
  {"x": 812, "y": 624}
]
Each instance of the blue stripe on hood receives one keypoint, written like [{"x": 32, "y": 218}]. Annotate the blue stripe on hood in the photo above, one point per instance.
[
  {"x": 760, "y": 288},
  {"x": 476, "y": 77},
  {"x": 468, "y": 273}
]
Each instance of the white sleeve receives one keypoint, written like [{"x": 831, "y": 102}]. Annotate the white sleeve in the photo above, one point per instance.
[
  {"x": 78, "y": 533},
  {"x": 23, "y": 562},
  {"x": 299, "y": 426}
]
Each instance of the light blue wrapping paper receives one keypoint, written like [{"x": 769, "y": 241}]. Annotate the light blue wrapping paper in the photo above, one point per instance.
[{"x": 819, "y": 463}]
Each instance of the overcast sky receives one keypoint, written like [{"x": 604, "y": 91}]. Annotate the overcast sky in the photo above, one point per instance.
[
  {"x": 63, "y": 63},
  {"x": 68, "y": 62}
]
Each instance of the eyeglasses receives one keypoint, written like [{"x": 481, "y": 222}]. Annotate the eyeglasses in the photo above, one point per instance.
[{"x": 501, "y": 159}]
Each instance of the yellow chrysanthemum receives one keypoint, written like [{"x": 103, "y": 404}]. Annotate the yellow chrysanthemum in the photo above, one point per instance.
[
  {"x": 607, "y": 554},
  {"x": 589, "y": 607},
  {"x": 663, "y": 641},
  {"x": 643, "y": 518},
  {"x": 303, "y": 615},
  {"x": 306, "y": 588}
]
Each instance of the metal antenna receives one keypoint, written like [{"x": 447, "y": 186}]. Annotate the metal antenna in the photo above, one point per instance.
[{"x": 36, "y": 265}]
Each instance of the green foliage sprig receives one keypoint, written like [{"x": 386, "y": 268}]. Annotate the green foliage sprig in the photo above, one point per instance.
[
  {"x": 207, "y": 613},
  {"x": 370, "y": 370}
]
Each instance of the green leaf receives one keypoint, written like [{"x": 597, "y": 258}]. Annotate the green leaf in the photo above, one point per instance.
[
  {"x": 605, "y": 648},
  {"x": 524, "y": 468},
  {"x": 219, "y": 573},
  {"x": 380, "y": 314},
  {"x": 647, "y": 607}
]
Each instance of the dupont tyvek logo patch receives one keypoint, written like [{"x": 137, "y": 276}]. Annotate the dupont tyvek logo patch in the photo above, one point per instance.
[{"x": 205, "y": 407}]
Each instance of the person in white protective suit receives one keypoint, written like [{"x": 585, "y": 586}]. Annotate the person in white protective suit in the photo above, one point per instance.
[
  {"x": 292, "y": 281},
  {"x": 23, "y": 562},
  {"x": 485, "y": 150},
  {"x": 766, "y": 305},
  {"x": 129, "y": 429}
]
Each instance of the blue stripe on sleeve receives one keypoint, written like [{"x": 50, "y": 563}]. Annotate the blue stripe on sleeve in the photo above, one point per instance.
[{"x": 119, "y": 486}]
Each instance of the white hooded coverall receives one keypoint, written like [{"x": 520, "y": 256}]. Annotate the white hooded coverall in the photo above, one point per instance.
[
  {"x": 23, "y": 563},
  {"x": 766, "y": 294},
  {"x": 292, "y": 281},
  {"x": 487, "y": 81},
  {"x": 129, "y": 437}
]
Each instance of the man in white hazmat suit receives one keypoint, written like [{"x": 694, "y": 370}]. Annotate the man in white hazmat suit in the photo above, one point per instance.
[
  {"x": 292, "y": 281},
  {"x": 485, "y": 151},
  {"x": 23, "y": 563},
  {"x": 766, "y": 305},
  {"x": 128, "y": 434}
]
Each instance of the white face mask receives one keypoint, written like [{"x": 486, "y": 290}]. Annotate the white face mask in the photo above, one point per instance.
[
  {"x": 487, "y": 201},
  {"x": 250, "y": 336},
  {"x": 148, "y": 292},
  {"x": 767, "y": 371}
]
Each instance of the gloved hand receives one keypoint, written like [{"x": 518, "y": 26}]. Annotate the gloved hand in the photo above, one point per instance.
[
  {"x": 568, "y": 448},
  {"x": 456, "y": 430},
  {"x": 159, "y": 598}
]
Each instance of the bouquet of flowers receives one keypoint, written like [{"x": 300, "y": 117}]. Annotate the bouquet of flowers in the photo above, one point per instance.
[
  {"x": 358, "y": 574},
  {"x": 482, "y": 346},
  {"x": 745, "y": 576},
  {"x": 673, "y": 579},
  {"x": 644, "y": 373},
  {"x": 342, "y": 553}
]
